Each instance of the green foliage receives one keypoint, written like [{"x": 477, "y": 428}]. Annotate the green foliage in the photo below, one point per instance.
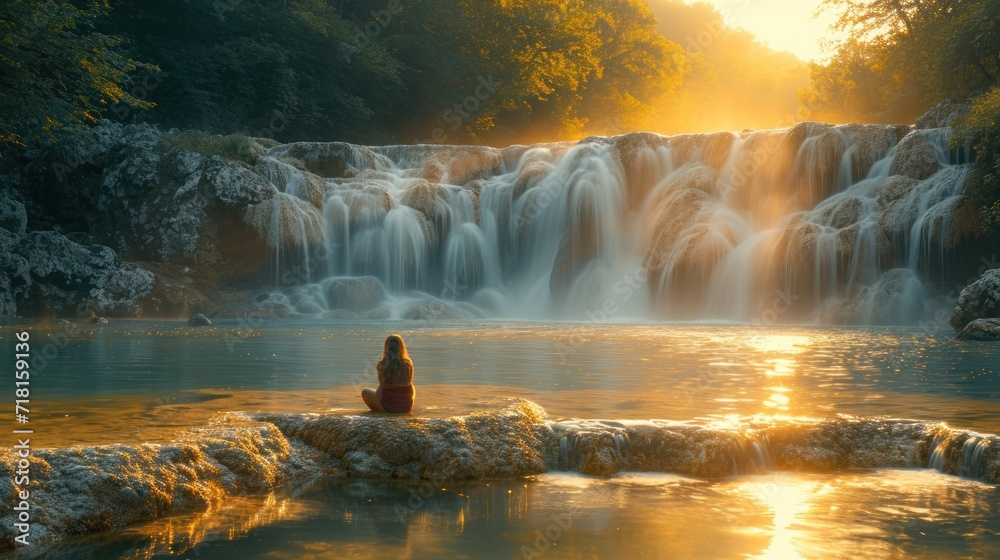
[
  {"x": 903, "y": 56},
  {"x": 286, "y": 70},
  {"x": 376, "y": 71},
  {"x": 381, "y": 71},
  {"x": 555, "y": 68},
  {"x": 980, "y": 128},
  {"x": 234, "y": 147},
  {"x": 56, "y": 71}
]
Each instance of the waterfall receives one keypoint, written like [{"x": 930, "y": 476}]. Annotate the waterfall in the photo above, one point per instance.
[{"x": 842, "y": 224}]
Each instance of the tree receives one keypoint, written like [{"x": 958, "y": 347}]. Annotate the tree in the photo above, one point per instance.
[
  {"x": 914, "y": 52},
  {"x": 57, "y": 71},
  {"x": 980, "y": 129},
  {"x": 292, "y": 70}
]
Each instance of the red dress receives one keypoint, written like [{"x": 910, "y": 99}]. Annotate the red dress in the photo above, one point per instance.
[{"x": 396, "y": 398}]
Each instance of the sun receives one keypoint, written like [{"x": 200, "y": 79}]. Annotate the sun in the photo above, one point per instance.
[{"x": 784, "y": 25}]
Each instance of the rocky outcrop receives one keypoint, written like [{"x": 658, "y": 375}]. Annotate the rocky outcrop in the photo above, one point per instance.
[
  {"x": 510, "y": 442},
  {"x": 329, "y": 159},
  {"x": 149, "y": 199},
  {"x": 916, "y": 156},
  {"x": 45, "y": 272},
  {"x": 432, "y": 310},
  {"x": 354, "y": 294},
  {"x": 274, "y": 218},
  {"x": 941, "y": 115},
  {"x": 92, "y": 489},
  {"x": 981, "y": 329},
  {"x": 13, "y": 216},
  {"x": 978, "y": 300},
  {"x": 433, "y": 202},
  {"x": 199, "y": 320}
]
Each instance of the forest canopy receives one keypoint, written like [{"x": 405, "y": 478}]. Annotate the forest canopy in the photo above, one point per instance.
[
  {"x": 904, "y": 56},
  {"x": 470, "y": 71}
]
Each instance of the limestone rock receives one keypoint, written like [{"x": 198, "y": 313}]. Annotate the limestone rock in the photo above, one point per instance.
[
  {"x": 90, "y": 489},
  {"x": 981, "y": 329},
  {"x": 978, "y": 300},
  {"x": 940, "y": 115},
  {"x": 432, "y": 310},
  {"x": 916, "y": 156},
  {"x": 380, "y": 314},
  {"x": 510, "y": 442},
  {"x": 199, "y": 320},
  {"x": 354, "y": 294},
  {"x": 66, "y": 274},
  {"x": 329, "y": 159},
  {"x": 893, "y": 189},
  {"x": 13, "y": 216}
]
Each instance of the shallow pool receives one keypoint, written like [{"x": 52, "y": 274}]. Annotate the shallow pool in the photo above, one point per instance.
[{"x": 141, "y": 381}]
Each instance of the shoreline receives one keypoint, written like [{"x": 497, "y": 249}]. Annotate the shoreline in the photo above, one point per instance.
[{"x": 92, "y": 489}]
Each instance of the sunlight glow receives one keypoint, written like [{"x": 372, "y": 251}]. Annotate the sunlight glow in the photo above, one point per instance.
[
  {"x": 788, "y": 500},
  {"x": 779, "y": 344},
  {"x": 785, "y": 25}
]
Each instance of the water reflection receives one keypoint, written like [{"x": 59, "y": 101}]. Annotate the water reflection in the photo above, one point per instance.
[
  {"x": 590, "y": 371},
  {"x": 879, "y": 514},
  {"x": 787, "y": 499}
]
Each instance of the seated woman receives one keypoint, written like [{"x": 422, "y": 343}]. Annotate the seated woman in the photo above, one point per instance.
[{"x": 395, "y": 379}]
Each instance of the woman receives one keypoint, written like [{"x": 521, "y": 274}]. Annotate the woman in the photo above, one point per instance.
[{"x": 395, "y": 379}]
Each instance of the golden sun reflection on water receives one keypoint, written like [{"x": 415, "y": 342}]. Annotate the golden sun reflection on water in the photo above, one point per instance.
[
  {"x": 778, "y": 361},
  {"x": 787, "y": 499},
  {"x": 782, "y": 516}
]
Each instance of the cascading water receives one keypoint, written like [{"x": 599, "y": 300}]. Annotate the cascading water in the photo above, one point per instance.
[{"x": 825, "y": 223}]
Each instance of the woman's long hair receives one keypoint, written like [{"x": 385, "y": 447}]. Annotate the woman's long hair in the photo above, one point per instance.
[{"x": 395, "y": 363}]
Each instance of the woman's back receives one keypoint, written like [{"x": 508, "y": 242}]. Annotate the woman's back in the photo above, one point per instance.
[{"x": 395, "y": 391}]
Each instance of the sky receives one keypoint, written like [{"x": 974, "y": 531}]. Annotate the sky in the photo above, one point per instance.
[{"x": 785, "y": 25}]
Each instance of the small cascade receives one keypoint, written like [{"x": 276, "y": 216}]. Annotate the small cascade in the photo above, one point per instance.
[
  {"x": 256, "y": 452},
  {"x": 751, "y": 455},
  {"x": 965, "y": 454},
  {"x": 519, "y": 440},
  {"x": 838, "y": 224}
]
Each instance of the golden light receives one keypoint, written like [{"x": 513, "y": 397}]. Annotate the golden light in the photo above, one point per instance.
[
  {"x": 784, "y": 25},
  {"x": 788, "y": 500}
]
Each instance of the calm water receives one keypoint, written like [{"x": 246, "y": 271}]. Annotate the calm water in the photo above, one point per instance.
[{"x": 132, "y": 381}]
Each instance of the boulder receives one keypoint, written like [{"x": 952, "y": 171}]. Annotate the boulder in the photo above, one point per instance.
[
  {"x": 981, "y": 329},
  {"x": 199, "y": 320},
  {"x": 840, "y": 213},
  {"x": 327, "y": 159},
  {"x": 711, "y": 149},
  {"x": 13, "y": 216},
  {"x": 380, "y": 314},
  {"x": 431, "y": 310},
  {"x": 940, "y": 115},
  {"x": 931, "y": 201},
  {"x": 893, "y": 189},
  {"x": 817, "y": 160},
  {"x": 308, "y": 307},
  {"x": 916, "y": 156},
  {"x": 150, "y": 199},
  {"x": 979, "y": 300},
  {"x": 64, "y": 274},
  {"x": 367, "y": 202},
  {"x": 15, "y": 274},
  {"x": 871, "y": 143},
  {"x": 354, "y": 294}
]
